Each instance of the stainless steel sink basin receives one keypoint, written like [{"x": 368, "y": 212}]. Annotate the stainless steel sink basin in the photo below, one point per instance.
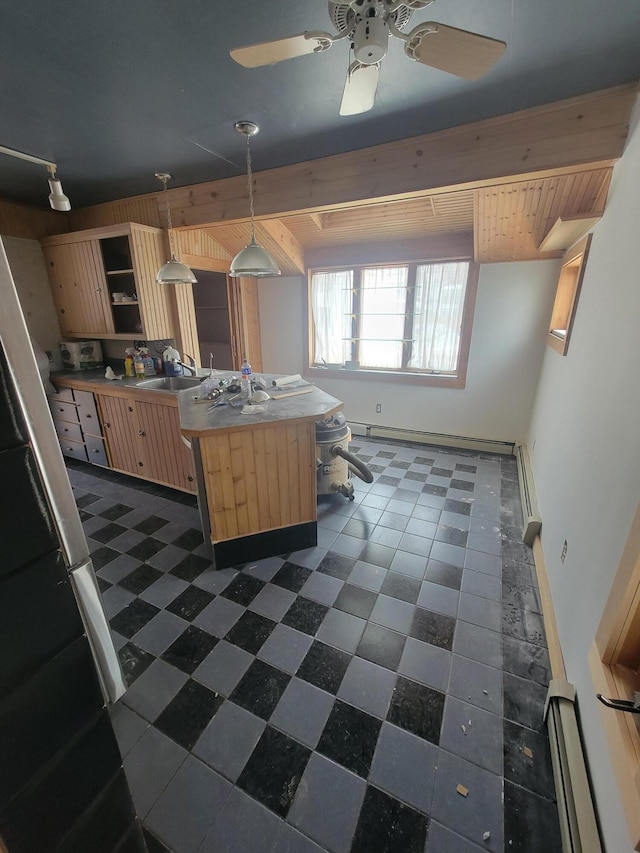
[{"x": 170, "y": 383}]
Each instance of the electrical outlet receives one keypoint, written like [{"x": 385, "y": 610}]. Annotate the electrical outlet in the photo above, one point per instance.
[
  {"x": 378, "y": 408},
  {"x": 564, "y": 552}
]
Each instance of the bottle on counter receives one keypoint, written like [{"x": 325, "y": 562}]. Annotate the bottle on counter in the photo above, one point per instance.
[
  {"x": 138, "y": 364},
  {"x": 245, "y": 382},
  {"x": 149, "y": 366},
  {"x": 129, "y": 369}
]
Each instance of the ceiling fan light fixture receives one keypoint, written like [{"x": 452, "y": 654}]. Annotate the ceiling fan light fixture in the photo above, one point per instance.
[
  {"x": 253, "y": 261},
  {"x": 173, "y": 272}
]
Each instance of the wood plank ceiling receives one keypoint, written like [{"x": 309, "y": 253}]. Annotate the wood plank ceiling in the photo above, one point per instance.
[{"x": 508, "y": 220}]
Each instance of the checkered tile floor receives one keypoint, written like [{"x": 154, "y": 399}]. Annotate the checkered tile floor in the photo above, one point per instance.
[{"x": 375, "y": 693}]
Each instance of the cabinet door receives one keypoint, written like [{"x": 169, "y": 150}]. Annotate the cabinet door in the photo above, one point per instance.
[
  {"x": 148, "y": 255},
  {"x": 169, "y": 460},
  {"x": 79, "y": 288},
  {"x": 120, "y": 429}
]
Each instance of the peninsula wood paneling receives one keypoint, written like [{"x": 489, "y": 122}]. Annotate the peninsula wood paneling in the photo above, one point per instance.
[
  {"x": 31, "y": 223},
  {"x": 260, "y": 479},
  {"x": 199, "y": 242},
  {"x": 167, "y": 459}
]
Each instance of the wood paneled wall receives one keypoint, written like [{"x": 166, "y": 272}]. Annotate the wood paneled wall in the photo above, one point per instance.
[
  {"x": 29, "y": 222},
  {"x": 260, "y": 479}
]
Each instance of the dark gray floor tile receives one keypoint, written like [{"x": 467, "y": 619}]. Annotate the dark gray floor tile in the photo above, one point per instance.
[
  {"x": 479, "y": 644},
  {"x": 189, "y": 805},
  {"x": 133, "y": 661},
  {"x": 525, "y": 660},
  {"x": 405, "y": 767},
  {"x": 274, "y": 601},
  {"x": 479, "y": 583},
  {"x": 400, "y": 586},
  {"x": 285, "y": 648},
  {"x": 341, "y": 794},
  {"x": 154, "y": 689},
  {"x": 158, "y": 634},
  {"x": 476, "y": 683},
  {"x": 438, "y": 598},
  {"x": 292, "y": 841},
  {"x": 302, "y": 712},
  {"x": 531, "y": 771},
  {"x": 472, "y": 734},
  {"x": 229, "y": 739},
  {"x": 478, "y": 812},
  {"x": 367, "y": 686},
  {"x": 387, "y": 824},
  {"x": 444, "y": 574},
  {"x": 393, "y": 613},
  {"x": 443, "y": 840},
  {"x": 164, "y": 590},
  {"x": 242, "y": 825},
  {"x": 425, "y": 663},
  {"x": 381, "y": 645},
  {"x": 127, "y": 725},
  {"x": 219, "y": 617},
  {"x": 149, "y": 767},
  {"x": 341, "y": 630},
  {"x": 524, "y": 702},
  {"x": 223, "y": 667},
  {"x": 480, "y": 611},
  {"x": 321, "y": 588}
]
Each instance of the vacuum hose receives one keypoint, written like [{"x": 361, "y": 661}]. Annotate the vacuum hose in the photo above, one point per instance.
[{"x": 358, "y": 467}]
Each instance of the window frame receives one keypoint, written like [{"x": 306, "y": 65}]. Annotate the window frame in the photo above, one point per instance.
[
  {"x": 405, "y": 375},
  {"x": 568, "y": 288}
]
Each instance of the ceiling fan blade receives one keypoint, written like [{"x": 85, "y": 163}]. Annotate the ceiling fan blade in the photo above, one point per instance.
[
  {"x": 359, "y": 89},
  {"x": 269, "y": 52},
  {"x": 458, "y": 52}
]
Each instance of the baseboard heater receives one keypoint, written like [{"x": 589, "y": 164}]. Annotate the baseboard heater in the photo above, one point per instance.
[
  {"x": 530, "y": 511},
  {"x": 578, "y": 826},
  {"x": 441, "y": 439}
]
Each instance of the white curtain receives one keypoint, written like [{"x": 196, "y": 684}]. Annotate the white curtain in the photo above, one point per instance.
[
  {"x": 331, "y": 307},
  {"x": 439, "y": 303},
  {"x": 383, "y": 298}
]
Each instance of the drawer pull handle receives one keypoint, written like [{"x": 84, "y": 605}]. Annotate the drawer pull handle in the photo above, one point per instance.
[
  {"x": 190, "y": 478},
  {"x": 141, "y": 464},
  {"x": 141, "y": 433},
  {"x": 130, "y": 408},
  {"x": 108, "y": 426}
]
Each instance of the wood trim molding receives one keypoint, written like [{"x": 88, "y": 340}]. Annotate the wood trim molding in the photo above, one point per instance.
[
  {"x": 200, "y": 262},
  {"x": 548, "y": 613}
]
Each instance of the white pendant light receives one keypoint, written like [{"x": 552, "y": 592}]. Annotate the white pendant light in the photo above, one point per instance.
[
  {"x": 253, "y": 260},
  {"x": 173, "y": 272}
]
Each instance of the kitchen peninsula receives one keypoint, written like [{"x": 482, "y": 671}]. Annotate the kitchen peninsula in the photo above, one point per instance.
[{"x": 256, "y": 473}]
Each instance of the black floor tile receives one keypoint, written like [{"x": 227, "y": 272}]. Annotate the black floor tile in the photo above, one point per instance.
[
  {"x": 463, "y": 485},
  {"x": 260, "y": 689},
  {"x": 190, "y": 567},
  {"x": 377, "y": 555},
  {"x": 423, "y": 460},
  {"x": 524, "y": 702},
  {"x": 153, "y": 845},
  {"x": 109, "y": 532},
  {"x": 133, "y": 661},
  {"x": 349, "y": 738},
  {"x": 402, "y": 587},
  {"x": 336, "y": 565},
  {"x": 139, "y": 579},
  {"x": 468, "y": 469},
  {"x": 190, "y": 649},
  {"x": 530, "y": 822},
  {"x": 103, "y": 585},
  {"x": 417, "y": 709},
  {"x": 512, "y": 551},
  {"x": 273, "y": 772},
  {"x": 533, "y": 772},
  {"x": 146, "y": 549},
  {"x": 190, "y": 603},
  {"x": 443, "y": 573},
  {"x": 460, "y": 507},
  {"x": 324, "y": 667},
  {"x": 251, "y": 631},
  {"x": 243, "y": 589},
  {"x": 187, "y": 715},
  {"x": 101, "y": 556},
  {"x": 116, "y": 511},
  {"x": 452, "y": 536},
  {"x": 291, "y": 576},
  {"x": 526, "y": 660},
  {"x": 381, "y": 645},
  {"x": 432, "y": 489},
  {"x": 84, "y": 515},
  {"x": 441, "y": 472},
  {"x": 385, "y": 454},
  {"x": 355, "y": 600},
  {"x": 305, "y": 616},
  {"x": 388, "y": 826},
  {"x": 358, "y": 528},
  {"x": 151, "y": 525},
  {"x": 386, "y": 480},
  {"x": 415, "y": 475},
  {"x": 189, "y": 540},
  {"x": 86, "y": 500},
  {"x": 434, "y": 628},
  {"x": 133, "y": 617}
]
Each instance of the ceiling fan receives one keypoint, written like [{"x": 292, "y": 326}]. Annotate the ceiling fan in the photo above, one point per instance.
[{"x": 367, "y": 24}]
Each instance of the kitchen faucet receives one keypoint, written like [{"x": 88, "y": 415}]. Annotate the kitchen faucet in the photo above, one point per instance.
[{"x": 192, "y": 364}]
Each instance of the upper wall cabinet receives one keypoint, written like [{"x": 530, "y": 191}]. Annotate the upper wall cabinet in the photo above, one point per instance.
[{"x": 103, "y": 282}]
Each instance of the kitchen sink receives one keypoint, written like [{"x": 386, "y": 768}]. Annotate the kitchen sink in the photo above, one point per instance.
[{"x": 170, "y": 383}]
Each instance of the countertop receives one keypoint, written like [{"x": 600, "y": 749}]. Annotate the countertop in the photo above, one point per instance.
[{"x": 199, "y": 419}]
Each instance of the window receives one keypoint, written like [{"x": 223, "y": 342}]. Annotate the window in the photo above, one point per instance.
[
  {"x": 412, "y": 320},
  {"x": 566, "y": 301}
]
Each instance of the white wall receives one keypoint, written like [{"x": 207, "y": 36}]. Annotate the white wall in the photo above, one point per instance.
[
  {"x": 507, "y": 345},
  {"x": 34, "y": 291},
  {"x": 585, "y": 443}
]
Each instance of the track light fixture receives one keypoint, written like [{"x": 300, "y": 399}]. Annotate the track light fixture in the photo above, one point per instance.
[
  {"x": 173, "y": 272},
  {"x": 57, "y": 199},
  {"x": 253, "y": 260}
]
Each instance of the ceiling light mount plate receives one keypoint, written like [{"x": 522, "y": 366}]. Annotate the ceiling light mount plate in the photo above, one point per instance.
[
  {"x": 163, "y": 176},
  {"x": 247, "y": 128}
]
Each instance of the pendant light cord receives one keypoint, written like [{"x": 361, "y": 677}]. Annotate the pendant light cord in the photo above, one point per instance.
[
  {"x": 164, "y": 179},
  {"x": 250, "y": 186}
]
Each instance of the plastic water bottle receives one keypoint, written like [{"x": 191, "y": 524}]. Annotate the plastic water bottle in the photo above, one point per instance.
[{"x": 245, "y": 382}]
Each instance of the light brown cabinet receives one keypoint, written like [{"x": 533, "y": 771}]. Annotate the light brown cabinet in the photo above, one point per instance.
[
  {"x": 86, "y": 269},
  {"x": 143, "y": 438}
]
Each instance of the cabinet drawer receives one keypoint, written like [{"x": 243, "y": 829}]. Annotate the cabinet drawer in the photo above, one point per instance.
[
  {"x": 95, "y": 450},
  {"x": 63, "y": 411},
  {"x": 62, "y": 395},
  {"x": 73, "y": 448},
  {"x": 67, "y": 430},
  {"x": 87, "y": 412}
]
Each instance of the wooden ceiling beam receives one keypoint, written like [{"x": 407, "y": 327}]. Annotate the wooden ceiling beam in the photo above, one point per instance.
[
  {"x": 449, "y": 246},
  {"x": 272, "y": 231},
  {"x": 590, "y": 129}
]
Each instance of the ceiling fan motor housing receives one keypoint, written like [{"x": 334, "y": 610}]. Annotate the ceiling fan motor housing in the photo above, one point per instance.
[{"x": 371, "y": 33}]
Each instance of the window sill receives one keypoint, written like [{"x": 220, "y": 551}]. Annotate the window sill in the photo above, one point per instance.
[{"x": 437, "y": 380}]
